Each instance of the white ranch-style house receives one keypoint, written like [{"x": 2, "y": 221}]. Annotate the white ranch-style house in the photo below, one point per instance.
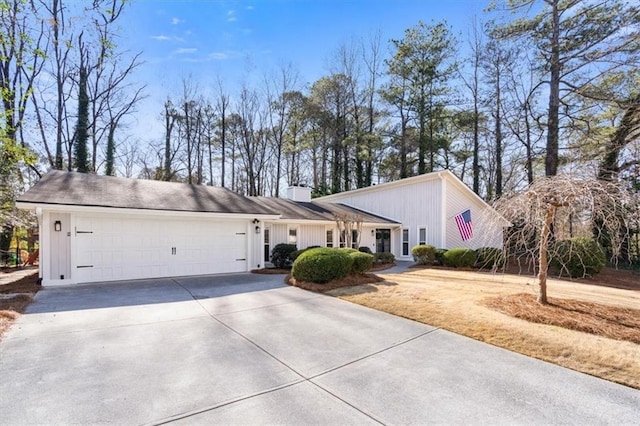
[{"x": 101, "y": 228}]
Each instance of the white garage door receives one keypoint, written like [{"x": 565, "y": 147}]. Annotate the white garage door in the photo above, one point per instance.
[{"x": 108, "y": 249}]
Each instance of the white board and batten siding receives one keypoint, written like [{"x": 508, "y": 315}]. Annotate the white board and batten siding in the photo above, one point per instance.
[
  {"x": 485, "y": 232},
  {"x": 306, "y": 234},
  {"x": 415, "y": 205},
  {"x": 428, "y": 202}
]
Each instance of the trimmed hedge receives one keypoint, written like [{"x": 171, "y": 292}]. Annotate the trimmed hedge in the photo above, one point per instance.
[
  {"x": 384, "y": 258},
  {"x": 424, "y": 254},
  {"x": 281, "y": 255},
  {"x": 439, "y": 255},
  {"x": 321, "y": 265},
  {"x": 347, "y": 250},
  {"x": 460, "y": 257},
  {"x": 578, "y": 257},
  {"x": 489, "y": 257},
  {"x": 362, "y": 262},
  {"x": 294, "y": 255}
]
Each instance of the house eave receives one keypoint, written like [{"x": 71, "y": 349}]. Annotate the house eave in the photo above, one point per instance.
[
  {"x": 333, "y": 222},
  {"x": 67, "y": 208}
]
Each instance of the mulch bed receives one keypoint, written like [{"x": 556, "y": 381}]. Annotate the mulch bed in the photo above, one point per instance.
[
  {"x": 349, "y": 281},
  {"x": 11, "y": 308},
  {"x": 593, "y": 318},
  {"x": 285, "y": 271},
  {"x": 28, "y": 284},
  {"x": 271, "y": 271}
]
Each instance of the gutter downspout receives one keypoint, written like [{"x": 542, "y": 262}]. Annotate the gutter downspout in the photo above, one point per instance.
[{"x": 39, "y": 218}]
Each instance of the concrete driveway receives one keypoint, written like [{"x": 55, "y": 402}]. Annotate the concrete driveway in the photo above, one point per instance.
[{"x": 246, "y": 349}]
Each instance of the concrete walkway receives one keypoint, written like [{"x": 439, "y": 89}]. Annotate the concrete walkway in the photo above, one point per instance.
[{"x": 246, "y": 349}]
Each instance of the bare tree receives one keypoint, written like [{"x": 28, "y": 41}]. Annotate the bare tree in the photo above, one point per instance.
[
  {"x": 559, "y": 207},
  {"x": 347, "y": 224},
  {"x": 279, "y": 114},
  {"x": 222, "y": 110},
  {"x": 473, "y": 83},
  {"x": 170, "y": 116},
  {"x": 22, "y": 57}
]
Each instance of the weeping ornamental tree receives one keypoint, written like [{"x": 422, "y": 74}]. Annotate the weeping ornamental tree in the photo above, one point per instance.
[{"x": 559, "y": 208}]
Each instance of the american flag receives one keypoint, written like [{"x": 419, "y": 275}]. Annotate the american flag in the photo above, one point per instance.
[{"x": 463, "y": 220}]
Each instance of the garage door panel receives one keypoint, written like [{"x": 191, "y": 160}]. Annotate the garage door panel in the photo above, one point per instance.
[{"x": 130, "y": 248}]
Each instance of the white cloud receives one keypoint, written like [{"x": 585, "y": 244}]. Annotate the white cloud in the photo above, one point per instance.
[
  {"x": 249, "y": 8},
  {"x": 219, "y": 56},
  {"x": 185, "y": 50},
  {"x": 176, "y": 21},
  {"x": 161, "y": 37},
  {"x": 231, "y": 16}
]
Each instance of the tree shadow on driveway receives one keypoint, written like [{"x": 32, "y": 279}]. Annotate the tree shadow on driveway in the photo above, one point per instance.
[{"x": 149, "y": 291}]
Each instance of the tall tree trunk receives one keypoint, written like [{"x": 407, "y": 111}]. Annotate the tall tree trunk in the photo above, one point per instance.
[
  {"x": 476, "y": 139},
  {"x": 529, "y": 151},
  {"x": 81, "y": 133},
  {"x": 169, "y": 118},
  {"x": 553, "y": 120},
  {"x": 109, "y": 169},
  {"x": 498, "y": 139},
  {"x": 544, "y": 254}
]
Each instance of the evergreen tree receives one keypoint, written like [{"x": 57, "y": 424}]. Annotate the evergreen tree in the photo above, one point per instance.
[{"x": 81, "y": 134}]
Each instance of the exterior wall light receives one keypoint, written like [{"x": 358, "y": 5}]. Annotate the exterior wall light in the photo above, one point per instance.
[
  {"x": 257, "y": 229},
  {"x": 57, "y": 226}
]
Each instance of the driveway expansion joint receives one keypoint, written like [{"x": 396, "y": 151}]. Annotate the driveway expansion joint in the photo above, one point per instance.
[
  {"x": 195, "y": 412},
  {"x": 303, "y": 378}
]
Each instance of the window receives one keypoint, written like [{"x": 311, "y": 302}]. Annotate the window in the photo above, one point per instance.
[
  {"x": 293, "y": 236},
  {"x": 422, "y": 236},
  {"x": 267, "y": 246},
  {"x": 405, "y": 242},
  {"x": 329, "y": 242},
  {"x": 354, "y": 239}
]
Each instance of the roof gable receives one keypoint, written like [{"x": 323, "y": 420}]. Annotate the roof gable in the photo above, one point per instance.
[{"x": 444, "y": 174}]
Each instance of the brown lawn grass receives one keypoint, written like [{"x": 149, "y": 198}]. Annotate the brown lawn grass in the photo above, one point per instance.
[{"x": 458, "y": 301}]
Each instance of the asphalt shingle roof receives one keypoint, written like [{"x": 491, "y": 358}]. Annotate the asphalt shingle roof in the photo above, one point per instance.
[
  {"x": 84, "y": 189},
  {"x": 314, "y": 210}
]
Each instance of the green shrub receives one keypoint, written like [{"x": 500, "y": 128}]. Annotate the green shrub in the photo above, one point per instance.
[
  {"x": 384, "y": 258},
  {"x": 294, "y": 255},
  {"x": 489, "y": 257},
  {"x": 460, "y": 257},
  {"x": 578, "y": 257},
  {"x": 362, "y": 262},
  {"x": 439, "y": 255},
  {"x": 321, "y": 265},
  {"x": 364, "y": 249},
  {"x": 347, "y": 250},
  {"x": 424, "y": 254},
  {"x": 281, "y": 255}
]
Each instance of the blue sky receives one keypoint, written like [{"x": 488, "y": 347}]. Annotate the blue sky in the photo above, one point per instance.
[{"x": 242, "y": 41}]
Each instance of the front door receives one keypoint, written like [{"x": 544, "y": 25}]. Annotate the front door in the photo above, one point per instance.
[{"x": 383, "y": 240}]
